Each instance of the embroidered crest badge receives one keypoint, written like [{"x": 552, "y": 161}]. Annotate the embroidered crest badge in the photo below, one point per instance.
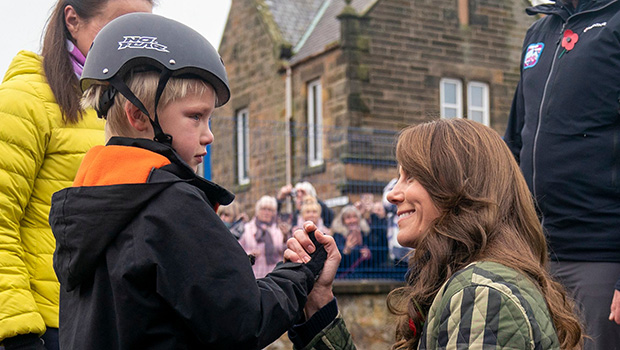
[{"x": 533, "y": 55}]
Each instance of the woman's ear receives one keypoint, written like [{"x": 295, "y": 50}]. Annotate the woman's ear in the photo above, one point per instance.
[
  {"x": 136, "y": 118},
  {"x": 72, "y": 20}
]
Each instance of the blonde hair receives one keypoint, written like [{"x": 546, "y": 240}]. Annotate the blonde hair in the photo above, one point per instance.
[
  {"x": 338, "y": 225},
  {"x": 144, "y": 86},
  {"x": 309, "y": 202},
  {"x": 232, "y": 210},
  {"x": 266, "y": 202},
  {"x": 306, "y": 187}
]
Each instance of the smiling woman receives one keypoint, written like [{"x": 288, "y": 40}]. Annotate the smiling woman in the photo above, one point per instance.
[{"x": 478, "y": 273}]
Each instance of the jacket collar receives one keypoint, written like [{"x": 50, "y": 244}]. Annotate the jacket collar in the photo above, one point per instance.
[{"x": 214, "y": 192}]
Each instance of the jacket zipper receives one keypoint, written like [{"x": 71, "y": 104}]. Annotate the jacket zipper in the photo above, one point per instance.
[
  {"x": 540, "y": 111},
  {"x": 542, "y": 101}
]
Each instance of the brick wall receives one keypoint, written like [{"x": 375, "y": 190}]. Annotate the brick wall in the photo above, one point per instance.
[
  {"x": 413, "y": 44},
  {"x": 248, "y": 49},
  {"x": 383, "y": 77}
]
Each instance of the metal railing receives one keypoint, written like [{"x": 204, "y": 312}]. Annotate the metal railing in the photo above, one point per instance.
[{"x": 355, "y": 162}]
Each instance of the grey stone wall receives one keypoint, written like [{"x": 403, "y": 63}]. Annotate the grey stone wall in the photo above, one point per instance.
[{"x": 363, "y": 308}]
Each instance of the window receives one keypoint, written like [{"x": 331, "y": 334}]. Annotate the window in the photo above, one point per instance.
[
  {"x": 243, "y": 147},
  {"x": 478, "y": 102},
  {"x": 315, "y": 123},
  {"x": 450, "y": 94}
]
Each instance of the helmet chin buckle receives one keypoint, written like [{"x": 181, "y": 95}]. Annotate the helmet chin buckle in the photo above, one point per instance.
[
  {"x": 162, "y": 137},
  {"x": 105, "y": 102}
]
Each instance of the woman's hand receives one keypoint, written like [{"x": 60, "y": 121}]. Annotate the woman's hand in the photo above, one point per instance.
[{"x": 299, "y": 249}]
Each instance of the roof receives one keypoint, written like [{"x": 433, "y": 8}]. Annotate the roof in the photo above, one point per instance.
[
  {"x": 293, "y": 16},
  {"x": 311, "y": 26}
]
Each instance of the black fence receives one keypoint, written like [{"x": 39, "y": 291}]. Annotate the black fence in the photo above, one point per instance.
[{"x": 353, "y": 168}]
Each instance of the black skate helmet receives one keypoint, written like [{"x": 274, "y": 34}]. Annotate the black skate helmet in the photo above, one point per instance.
[{"x": 151, "y": 42}]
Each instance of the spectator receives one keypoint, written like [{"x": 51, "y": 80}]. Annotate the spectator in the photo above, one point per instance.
[
  {"x": 43, "y": 136},
  {"x": 233, "y": 218},
  {"x": 377, "y": 240},
  {"x": 262, "y": 238},
  {"x": 143, "y": 259},
  {"x": 480, "y": 278},
  {"x": 352, "y": 235},
  {"x": 311, "y": 211},
  {"x": 564, "y": 131},
  {"x": 297, "y": 193},
  {"x": 365, "y": 205}
]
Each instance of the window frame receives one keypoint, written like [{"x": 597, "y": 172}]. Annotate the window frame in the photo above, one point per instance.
[
  {"x": 315, "y": 123},
  {"x": 242, "y": 124},
  {"x": 485, "y": 108},
  {"x": 458, "y": 106}
]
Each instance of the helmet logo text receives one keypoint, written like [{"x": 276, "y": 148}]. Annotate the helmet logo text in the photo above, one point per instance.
[{"x": 141, "y": 42}]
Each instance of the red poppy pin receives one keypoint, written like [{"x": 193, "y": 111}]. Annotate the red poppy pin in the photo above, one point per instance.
[{"x": 568, "y": 41}]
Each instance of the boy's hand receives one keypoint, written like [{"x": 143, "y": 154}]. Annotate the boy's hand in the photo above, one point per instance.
[{"x": 300, "y": 248}]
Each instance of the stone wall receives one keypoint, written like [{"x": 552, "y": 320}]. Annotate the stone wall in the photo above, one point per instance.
[
  {"x": 249, "y": 50},
  {"x": 363, "y": 308},
  {"x": 413, "y": 44},
  {"x": 382, "y": 75}
]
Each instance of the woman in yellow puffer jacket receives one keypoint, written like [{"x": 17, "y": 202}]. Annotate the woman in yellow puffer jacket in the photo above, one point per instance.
[{"x": 43, "y": 137}]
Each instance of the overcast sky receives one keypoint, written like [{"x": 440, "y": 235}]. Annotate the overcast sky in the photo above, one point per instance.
[{"x": 22, "y": 22}]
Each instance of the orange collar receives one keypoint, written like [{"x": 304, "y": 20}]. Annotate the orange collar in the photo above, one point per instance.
[{"x": 115, "y": 165}]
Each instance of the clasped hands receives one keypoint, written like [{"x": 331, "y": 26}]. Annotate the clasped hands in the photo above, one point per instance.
[{"x": 299, "y": 248}]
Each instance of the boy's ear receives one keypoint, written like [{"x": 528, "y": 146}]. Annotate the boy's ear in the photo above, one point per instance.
[{"x": 136, "y": 118}]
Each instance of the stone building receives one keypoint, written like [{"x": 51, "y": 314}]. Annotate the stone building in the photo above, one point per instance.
[{"x": 320, "y": 88}]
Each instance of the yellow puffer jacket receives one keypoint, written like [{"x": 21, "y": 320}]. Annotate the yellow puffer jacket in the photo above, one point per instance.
[{"x": 39, "y": 155}]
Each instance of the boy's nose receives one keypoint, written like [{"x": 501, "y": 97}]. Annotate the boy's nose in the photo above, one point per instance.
[{"x": 206, "y": 137}]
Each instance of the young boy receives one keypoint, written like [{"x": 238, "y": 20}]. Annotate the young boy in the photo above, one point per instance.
[{"x": 143, "y": 259}]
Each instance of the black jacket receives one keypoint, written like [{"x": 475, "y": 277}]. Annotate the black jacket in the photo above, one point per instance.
[
  {"x": 564, "y": 128},
  {"x": 151, "y": 266}
]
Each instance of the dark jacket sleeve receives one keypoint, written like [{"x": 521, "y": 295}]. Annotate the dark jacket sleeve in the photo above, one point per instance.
[
  {"x": 206, "y": 277},
  {"x": 512, "y": 137}
]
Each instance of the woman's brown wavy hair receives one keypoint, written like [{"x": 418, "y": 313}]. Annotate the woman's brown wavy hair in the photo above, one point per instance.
[{"x": 486, "y": 213}]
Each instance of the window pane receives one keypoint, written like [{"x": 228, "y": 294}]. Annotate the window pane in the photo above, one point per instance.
[
  {"x": 450, "y": 93},
  {"x": 449, "y": 113},
  {"x": 476, "y": 93},
  {"x": 476, "y": 116}
]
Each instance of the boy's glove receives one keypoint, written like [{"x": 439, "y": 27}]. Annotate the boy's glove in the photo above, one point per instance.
[
  {"x": 24, "y": 342},
  {"x": 317, "y": 258}
]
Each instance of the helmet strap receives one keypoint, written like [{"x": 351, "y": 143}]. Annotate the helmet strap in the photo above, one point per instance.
[
  {"x": 160, "y": 136},
  {"x": 105, "y": 102},
  {"x": 120, "y": 86}
]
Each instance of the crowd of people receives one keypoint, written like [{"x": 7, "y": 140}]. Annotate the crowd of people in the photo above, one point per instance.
[{"x": 362, "y": 230}]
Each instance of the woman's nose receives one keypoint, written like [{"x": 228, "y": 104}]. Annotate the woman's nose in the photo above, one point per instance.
[{"x": 394, "y": 196}]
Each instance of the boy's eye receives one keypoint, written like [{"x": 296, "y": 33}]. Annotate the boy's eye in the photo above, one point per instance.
[{"x": 195, "y": 117}]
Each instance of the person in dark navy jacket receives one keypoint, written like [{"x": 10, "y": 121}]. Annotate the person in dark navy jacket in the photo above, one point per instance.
[{"x": 564, "y": 130}]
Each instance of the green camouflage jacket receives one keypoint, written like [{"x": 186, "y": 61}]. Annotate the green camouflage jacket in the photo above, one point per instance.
[{"x": 484, "y": 306}]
